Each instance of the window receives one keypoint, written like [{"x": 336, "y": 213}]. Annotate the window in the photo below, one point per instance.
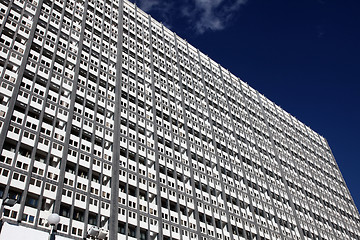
[
  {"x": 32, "y": 201},
  {"x": 92, "y": 219},
  {"x": 31, "y": 219},
  {"x": 121, "y": 227},
  {"x": 143, "y": 234},
  {"x": 131, "y": 231},
  {"x": 65, "y": 211},
  {"x": 78, "y": 215}
]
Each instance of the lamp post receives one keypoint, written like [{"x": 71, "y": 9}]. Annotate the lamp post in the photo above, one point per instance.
[
  {"x": 7, "y": 202},
  {"x": 97, "y": 233},
  {"x": 53, "y": 220}
]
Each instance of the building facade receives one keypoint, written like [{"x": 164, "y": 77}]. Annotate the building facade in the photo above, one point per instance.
[{"x": 110, "y": 119}]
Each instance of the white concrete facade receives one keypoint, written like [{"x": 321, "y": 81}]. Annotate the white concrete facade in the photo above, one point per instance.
[{"x": 110, "y": 119}]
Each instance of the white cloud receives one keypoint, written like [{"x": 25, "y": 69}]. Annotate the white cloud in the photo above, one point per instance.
[
  {"x": 162, "y": 8},
  {"x": 214, "y": 15},
  {"x": 200, "y": 15},
  {"x": 148, "y": 5}
]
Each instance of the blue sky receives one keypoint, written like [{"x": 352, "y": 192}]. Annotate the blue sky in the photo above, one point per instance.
[{"x": 303, "y": 55}]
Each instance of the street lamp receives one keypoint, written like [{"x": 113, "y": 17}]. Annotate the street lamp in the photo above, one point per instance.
[
  {"x": 102, "y": 234},
  {"x": 97, "y": 233},
  {"x": 93, "y": 231},
  {"x": 7, "y": 202},
  {"x": 53, "y": 220}
]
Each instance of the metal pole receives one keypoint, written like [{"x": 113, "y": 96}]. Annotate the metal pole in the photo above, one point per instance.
[
  {"x": 1, "y": 224},
  {"x": 52, "y": 234}
]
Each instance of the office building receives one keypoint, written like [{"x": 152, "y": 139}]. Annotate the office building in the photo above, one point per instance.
[{"x": 110, "y": 119}]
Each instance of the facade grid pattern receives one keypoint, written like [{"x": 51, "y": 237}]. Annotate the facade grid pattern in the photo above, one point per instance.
[{"x": 110, "y": 119}]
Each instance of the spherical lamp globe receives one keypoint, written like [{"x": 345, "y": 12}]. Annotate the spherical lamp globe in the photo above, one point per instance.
[{"x": 53, "y": 219}]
